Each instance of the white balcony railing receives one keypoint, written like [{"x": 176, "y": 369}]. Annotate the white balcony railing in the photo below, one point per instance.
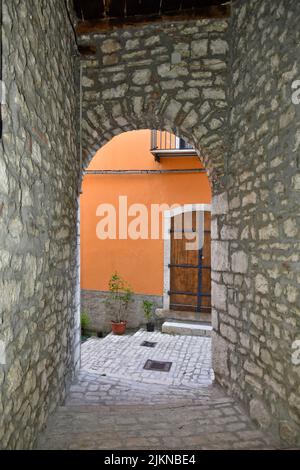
[{"x": 166, "y": 144}]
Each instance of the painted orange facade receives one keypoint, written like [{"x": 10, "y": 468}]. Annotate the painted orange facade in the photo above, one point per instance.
[{"x": 140, "y": 261}]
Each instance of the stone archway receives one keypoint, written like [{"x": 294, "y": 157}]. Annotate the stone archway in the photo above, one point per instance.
[
  {"x": 152, "y": 78},
  {"x": 170, "y": 76},
  {"x": 219, "y": 208},
  {"x": 212, "y": 158},
  {"x": 179, "y": 77},
  {"x": 128, "y": 86}
]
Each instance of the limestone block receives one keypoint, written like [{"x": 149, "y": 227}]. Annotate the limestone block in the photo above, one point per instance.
[
  {"x": 219, "y": 296},
  {"x": 228, "y": 332},
  {"x": 3, "y": 178},
  {"x": 267, "y": 232},
  {"x": 219, "y": 46},
  {"x": 261, "y": 284},
  {"x": 132, "y": 44},
  {"x": 229, "y": 233},
  {"x": 220, "y": 204},
  {"x": 214, "y": 228},
  {"x": 220, "y": 256},
  {"x": 199, "y": 48},
  {"x": 249, "y": 199},
  {"x": 110, "y": 45},
  {"x": 172, "y": 110},
  {"x": 117, "y": 92},
  {"x": 288, "y": 432},
  {"x": 141, "y": 77},
  {"x": 220, "y": 355},
  {"x": 213, "y": 93},
  {"x": 259, "y": 413},
  {"x": 253, "y": 368},
  {"x": 239, "y": 262},
  {"x": 290, "y": 228}
]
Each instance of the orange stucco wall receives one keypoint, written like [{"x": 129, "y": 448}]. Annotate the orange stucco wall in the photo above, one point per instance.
[{"x": 140, "y": 262}]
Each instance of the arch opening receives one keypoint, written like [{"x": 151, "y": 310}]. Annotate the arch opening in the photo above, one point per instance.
[{"x": 136, "y": 179}]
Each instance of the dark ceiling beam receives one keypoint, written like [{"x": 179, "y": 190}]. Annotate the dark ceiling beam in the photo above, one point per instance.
[{"x": 210, "y": 12}]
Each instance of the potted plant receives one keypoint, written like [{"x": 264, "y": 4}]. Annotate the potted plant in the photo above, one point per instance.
[
  {"x": 120, "y": 295},
  {"x": 84, "y": 323},
  {"x": 148, "y": 312}
]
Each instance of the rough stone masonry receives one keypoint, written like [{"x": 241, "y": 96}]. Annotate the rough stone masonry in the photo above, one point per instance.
[
  {"x": 170, "y": 77},
  {"x": 256, "y": 275},
  {"x": 39, "y": 169},
  {"x": 223, "y": 86},
  {"x": 94, "y": 303},
  {"x": 166, "y": 77},
  {"x": 229, "y": 93}
]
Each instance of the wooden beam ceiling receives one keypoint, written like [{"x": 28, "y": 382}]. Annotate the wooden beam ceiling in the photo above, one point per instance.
[{"x": 101, "y": 15}]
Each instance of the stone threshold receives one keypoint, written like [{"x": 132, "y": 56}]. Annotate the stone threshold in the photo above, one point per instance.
[{"x": 187, "y": 328}]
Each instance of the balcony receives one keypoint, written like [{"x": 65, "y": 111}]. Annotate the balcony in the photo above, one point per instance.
[{"x": 165, "y": 144}]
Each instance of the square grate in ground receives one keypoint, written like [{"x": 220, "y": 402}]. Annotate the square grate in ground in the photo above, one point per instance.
[
  {"x": 160, "y": 366},
  {"x": 148, "y": 344}
]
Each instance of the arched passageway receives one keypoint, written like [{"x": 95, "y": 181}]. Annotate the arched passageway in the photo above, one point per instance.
[
  {"x": 127, "y": 191},
  {"x": 229, "y": 87},
  {"x": 150, "y": 96},
  {"x": 116, "y": 370}
]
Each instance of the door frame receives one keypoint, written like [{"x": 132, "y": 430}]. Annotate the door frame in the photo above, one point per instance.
[{"x": 167, "y": 216}]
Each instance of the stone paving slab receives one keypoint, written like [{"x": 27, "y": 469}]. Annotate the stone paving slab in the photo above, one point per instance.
[
  {"x": 213, "y": 426},
  {"x": 123, "y": 356},
  {"x": 95, "y": 389},
  {"x": 115, "y": 404}
]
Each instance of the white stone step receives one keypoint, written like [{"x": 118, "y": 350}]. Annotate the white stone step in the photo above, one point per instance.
[
  {"x": 182, "y": 315},
  {"x": 188, "y": 329}
]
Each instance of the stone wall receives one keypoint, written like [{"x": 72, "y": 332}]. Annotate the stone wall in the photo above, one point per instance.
[
  {"x": 256, "y": 249},
  {"x": 39, "y": 169},
  {"x": 234, "y": 105},
  {"x": 170, "y": 76},
  {"x": 93, "y": 303}
]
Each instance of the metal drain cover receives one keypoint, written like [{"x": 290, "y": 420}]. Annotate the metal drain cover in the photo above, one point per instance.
[
  {"x": 158, "y": 365},
  {"x": 149, "y": 344}
]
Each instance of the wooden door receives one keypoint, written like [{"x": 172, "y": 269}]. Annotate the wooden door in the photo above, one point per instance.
[{"x": 190, "y": 270}]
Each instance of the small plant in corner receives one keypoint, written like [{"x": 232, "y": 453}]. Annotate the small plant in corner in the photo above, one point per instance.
[
  {"x": 84, "y": 323},
  {"x": 118, "y": 300},
  {"x": 148, "y": 307}
]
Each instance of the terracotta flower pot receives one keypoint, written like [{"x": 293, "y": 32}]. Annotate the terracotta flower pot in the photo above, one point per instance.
[{"x": 118, "y": 328}]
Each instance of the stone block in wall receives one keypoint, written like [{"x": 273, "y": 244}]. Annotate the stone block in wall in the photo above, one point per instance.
[
  {"x": 228, "y": 332},
  {"x": 220, "y": 204},
  {"x": 220, "y": 354},
  {"x": 199, "y": 48},
  {"x": 39, "y": 171},
  {"x": 259, "y": 413},
  {"x": 214, "y": 228},
  {"x": 261, "y": 284},
  {"x": 219, "y": 296},
  {"x": 229, "y": 233},
  {"x": 220, "y": 256},
  {"x": 288, "y": 432},
  {"x": 215, "y": 319},
  {"x": 239, "y": 262}
]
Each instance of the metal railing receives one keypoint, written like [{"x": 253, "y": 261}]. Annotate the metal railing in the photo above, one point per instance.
[{"x": 163, "y": 140}]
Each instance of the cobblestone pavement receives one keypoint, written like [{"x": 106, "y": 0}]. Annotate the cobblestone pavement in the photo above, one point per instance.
[
  {"x": 123, "y": 356},
  {"x": 119, "y": 405},
  {"x": 94, "y": 389}
]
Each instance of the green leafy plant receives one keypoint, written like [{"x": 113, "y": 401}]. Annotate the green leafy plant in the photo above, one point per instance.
[
  {"x": 148, "y": 309},
  {"x": 84, "y": 321},
  {"x": 119, "y": 297}
]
